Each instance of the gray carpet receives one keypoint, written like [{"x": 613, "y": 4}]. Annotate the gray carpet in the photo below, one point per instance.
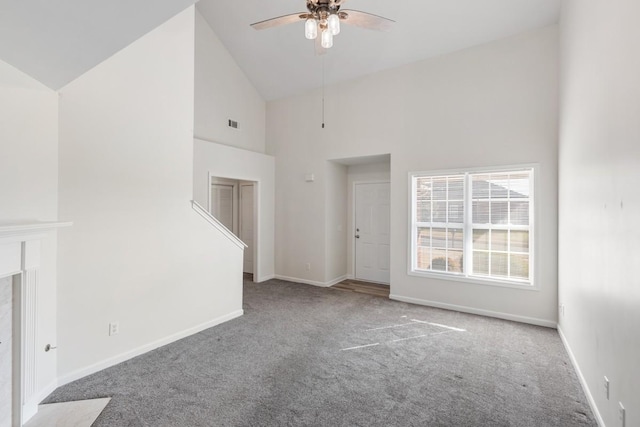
[{"x": 307, "y": 356}]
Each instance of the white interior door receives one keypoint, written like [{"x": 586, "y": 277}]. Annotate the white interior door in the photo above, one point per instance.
[
  {"x": 6, "y": 352},
  {"x": 372, "y": 228},
  {"x": 221, "y": 204},
  {"x": 246, "y": 224}
]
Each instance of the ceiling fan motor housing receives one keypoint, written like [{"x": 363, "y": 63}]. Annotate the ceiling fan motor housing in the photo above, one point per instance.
[{"x": 320, "y": 9}]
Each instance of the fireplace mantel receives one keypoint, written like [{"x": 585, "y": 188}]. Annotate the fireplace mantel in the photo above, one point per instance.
[
  {"x": 20, "y": 256},
  {"x": 28, "y": 228}
]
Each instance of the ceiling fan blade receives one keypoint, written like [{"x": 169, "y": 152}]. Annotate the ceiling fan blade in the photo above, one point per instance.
[
  {"x": 281, "y": 20},
  {"x": 366, "y": 20}
]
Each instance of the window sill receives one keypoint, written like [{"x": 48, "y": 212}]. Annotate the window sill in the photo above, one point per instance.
[{"x": 525, "y": 286}]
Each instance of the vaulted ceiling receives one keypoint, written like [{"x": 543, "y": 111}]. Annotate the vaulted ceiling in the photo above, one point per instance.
[
  {"x": 281, "y": 62},
  {"x": 57, "y": 41}
]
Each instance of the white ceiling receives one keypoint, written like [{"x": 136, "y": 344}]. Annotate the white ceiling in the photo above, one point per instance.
[
  {"x": 280, "y": 62},
  {"x": 56, "y": 41}
]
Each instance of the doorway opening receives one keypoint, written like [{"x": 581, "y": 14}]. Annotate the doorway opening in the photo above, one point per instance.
[
  {"x": 368, "y": 220},
  {"x": 233, "y": 202}
]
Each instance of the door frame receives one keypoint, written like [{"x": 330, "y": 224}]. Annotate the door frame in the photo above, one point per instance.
[
  {"x": 353, "y": 223},
  {"x": 254, "y": 186},
  {"x": 256, "y": 212}
]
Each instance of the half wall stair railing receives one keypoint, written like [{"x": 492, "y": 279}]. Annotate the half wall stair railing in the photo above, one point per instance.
[{"x": 218, "y": 225}]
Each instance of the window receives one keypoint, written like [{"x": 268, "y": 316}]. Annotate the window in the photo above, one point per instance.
[{"x": 476, "y": 225}]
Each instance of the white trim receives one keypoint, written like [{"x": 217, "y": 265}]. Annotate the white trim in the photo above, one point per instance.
[
  {"x": 264, "y": 278},
  {"x": 20, "y": 249},
  {"x": 471, "y": 310},
  {"x": 45, "y": 391},
  {"x": 99, "y": 366},
  {"x": 31, "y": 226},
  {"x": 257, "y": 194},
  {"x": 531, "y": 285},
  {"x": 257, "y": 239},
  {"x": 336, "y": 280},
  {"x": 23, "y": 231},
  {"x": 31, "y": 408},
  {"x": 583, "y": 381},
  {"x": 525, "y": 286},
  {"x": 311, "y": 282},
  {"x": 503, "y": 168},
  {"x": 254, "y": 217},
  {"x": 218, "y": 225}
]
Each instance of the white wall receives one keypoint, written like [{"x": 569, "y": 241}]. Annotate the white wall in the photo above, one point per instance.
[
  {"x": 29, "y": 187},
  {"x": 137, "y": 254},
  {"x": 29, "y": 138},
  {"x": 300, "y": 205},
  {"x": 360, "y": 173},
  {"x": 229, "y": 162},
  {"x": 599, "y": 199},
  {"x": 491, "y": 105},
  {"x": 223, "y": 92}
]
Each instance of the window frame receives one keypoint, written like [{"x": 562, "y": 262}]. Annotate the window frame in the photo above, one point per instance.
[{"x": 465, "y": 276}]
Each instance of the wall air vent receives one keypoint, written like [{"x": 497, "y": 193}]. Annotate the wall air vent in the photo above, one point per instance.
[{"x": 233, "y": 124}]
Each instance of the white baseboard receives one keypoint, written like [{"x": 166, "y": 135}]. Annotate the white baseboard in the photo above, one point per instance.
[
  {"x": 265, "y": 278},
  {"x": 42, "y": 394},
  {"x": 312, "y": 282},
  {"x": 583, "y": 381},
  {"x": 83, "y": 372},
  {"x": 471, "y": 310},
  {"x": 336, "y": 280}
]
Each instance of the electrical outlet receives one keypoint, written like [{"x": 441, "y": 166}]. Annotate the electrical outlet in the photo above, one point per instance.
[
  {"x": 606, "y": 387},
  {"x": 621, "y": 414},
  {"x": 114, "y": 328},
  {"x": 308, "y": 266}
]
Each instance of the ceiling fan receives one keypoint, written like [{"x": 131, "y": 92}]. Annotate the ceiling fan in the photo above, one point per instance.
[{"x": 324, "y": 17}]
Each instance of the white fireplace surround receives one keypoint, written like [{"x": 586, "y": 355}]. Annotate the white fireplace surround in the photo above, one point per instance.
[{"x": 20, "y": 255}]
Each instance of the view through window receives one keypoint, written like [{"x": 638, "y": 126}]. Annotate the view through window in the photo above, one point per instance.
[{"x": 473, "y": 224}]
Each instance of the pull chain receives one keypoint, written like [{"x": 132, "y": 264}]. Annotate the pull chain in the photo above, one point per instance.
[{"x": 323, "y": 92}]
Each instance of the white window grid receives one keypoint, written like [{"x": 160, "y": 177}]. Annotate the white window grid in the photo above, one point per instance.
[{"x": 468, "y": 226}]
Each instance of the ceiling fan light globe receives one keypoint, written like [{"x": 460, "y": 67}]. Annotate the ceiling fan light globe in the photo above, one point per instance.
[
  {"x": 333, "y": 22},
  {"x": 327, "y": 39},
  {"x": 311, "y": 29}
]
